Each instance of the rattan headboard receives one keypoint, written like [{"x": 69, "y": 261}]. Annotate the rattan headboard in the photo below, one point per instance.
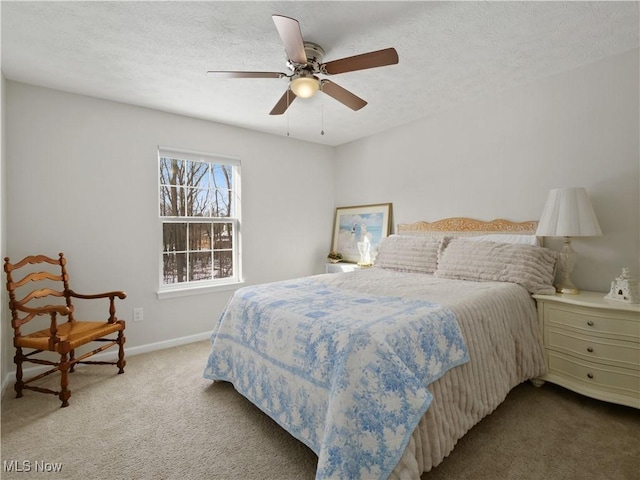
[{"x": 461, "y": 226}]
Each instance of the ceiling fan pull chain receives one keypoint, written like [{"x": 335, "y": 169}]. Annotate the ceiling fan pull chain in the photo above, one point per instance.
[{"x": 288, "y": 90}]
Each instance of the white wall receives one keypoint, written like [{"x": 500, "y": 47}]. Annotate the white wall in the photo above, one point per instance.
[
  {"x": 6, "y": 361},
  {"x": 497, "y": 157},
  {"x": 82, "y": 179}
]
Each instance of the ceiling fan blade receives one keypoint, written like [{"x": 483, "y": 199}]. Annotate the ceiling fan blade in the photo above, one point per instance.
[
  {"x": 284, "y": 102},
  {"x": 379, "y": 58},
  {"x": 220, "y": 74},
  {"x": 342, "y": 95},
  {"x": 291, "y": 36}
]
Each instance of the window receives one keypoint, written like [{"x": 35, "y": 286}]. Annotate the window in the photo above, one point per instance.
[{"x": 200, "y": 217}]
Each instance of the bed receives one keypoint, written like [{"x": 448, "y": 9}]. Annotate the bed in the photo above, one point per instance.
[{"x": 382, "y": 370}]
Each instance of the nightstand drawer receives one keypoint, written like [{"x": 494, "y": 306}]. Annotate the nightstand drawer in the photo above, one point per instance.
[
  {"x": 593, "y": 348},
  {"x": 621, "y": 325},
  {"x": 617, "y": 380}
]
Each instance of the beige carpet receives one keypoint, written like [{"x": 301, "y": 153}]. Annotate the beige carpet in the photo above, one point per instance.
[{"x": 162, "y": 420}]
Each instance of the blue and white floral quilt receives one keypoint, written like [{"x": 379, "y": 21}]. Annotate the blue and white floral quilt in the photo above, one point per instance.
[{"x": 344, "y": 372}]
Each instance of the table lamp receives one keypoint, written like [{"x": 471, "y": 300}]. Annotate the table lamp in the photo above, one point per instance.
[{"x": 568, "y": 213}]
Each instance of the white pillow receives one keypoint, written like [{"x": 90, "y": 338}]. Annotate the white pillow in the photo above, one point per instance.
[
  {"x": 507, "y": 238},
  {"x": 527, "y": 265},
  {"x": 405, "y": 253}
]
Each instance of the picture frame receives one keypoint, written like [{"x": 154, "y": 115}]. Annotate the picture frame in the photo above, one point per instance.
[{"x": 354, "y": 224}]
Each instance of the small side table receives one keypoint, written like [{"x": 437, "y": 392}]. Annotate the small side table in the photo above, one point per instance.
[
  {"x": 592, "y": 345},
  {"x": 340, "y": 267}
]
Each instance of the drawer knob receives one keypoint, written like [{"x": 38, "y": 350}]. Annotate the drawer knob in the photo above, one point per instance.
[
  {"x": 590, "y": 323},
  {"x": 590, "y": 349},
  {"x": 590, "y": 375}
]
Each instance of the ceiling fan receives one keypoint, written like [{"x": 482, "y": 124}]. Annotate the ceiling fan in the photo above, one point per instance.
[{"x": 304, "y": 61}]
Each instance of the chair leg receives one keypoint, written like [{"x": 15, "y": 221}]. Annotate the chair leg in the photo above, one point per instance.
[
  {"x": 121, "y": 361},
  {"x": 72, "y": 358},
  {"x": 18, "y": 359},
  {"x": 65, "y": 393}
]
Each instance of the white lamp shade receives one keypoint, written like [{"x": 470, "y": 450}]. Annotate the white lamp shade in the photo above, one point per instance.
[{"x": 568, "y": 213}]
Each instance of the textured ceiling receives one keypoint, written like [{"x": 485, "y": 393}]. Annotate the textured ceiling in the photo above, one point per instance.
[{"x": 156, "y": 54}]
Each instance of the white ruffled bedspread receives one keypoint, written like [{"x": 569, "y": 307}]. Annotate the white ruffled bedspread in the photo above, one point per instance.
[{"x": 345, "y": 372}]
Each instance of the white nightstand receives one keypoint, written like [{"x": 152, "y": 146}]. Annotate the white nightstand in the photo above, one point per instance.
[
  {"x": 340, "y": 267},
  {"x": 592, "y": 345}
]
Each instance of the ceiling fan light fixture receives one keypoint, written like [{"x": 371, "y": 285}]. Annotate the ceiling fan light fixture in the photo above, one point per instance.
[{"x": 305, "y": 86}]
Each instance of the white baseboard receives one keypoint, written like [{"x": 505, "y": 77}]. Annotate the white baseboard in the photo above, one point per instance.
[{"x": 112, "y": 354}]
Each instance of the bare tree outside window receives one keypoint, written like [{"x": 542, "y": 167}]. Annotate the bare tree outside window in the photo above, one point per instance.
[{"x": 198, "y": 220}]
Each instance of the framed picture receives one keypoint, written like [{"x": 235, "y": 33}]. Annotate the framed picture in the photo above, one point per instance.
[{"x": 365, "y": 224}]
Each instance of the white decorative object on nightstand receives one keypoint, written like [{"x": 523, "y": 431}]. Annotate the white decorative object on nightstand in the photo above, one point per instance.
[
  {"x": 592, "y": 346},
  {"x": 340, "y": 267},
  {"x": 624, "y": 289}
]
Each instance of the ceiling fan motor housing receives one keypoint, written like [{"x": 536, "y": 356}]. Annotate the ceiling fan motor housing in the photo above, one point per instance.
[{"x": 314, "y": 53}]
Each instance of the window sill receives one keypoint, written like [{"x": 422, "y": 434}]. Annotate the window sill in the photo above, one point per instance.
[{"x": 197, "y": 290}]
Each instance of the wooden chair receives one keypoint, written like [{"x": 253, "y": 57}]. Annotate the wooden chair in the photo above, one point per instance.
[{"x": 60, "y": 338}]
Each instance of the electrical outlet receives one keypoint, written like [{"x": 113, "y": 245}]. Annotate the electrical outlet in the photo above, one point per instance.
[{"x": 137, "y": 314}]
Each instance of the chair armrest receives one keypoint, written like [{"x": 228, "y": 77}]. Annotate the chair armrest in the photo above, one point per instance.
[
  {"x": 110, "y": 295},
  {"x": 119, "y": 294},
  {"x": 52, "y": 311}
]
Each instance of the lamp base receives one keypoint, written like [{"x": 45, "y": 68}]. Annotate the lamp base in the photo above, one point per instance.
[
  {"x": 567, "y": 290},
  {"x": 566, "y": 262}
]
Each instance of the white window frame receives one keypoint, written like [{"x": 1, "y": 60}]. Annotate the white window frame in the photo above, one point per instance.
[{"x": 216, "y": 284}]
